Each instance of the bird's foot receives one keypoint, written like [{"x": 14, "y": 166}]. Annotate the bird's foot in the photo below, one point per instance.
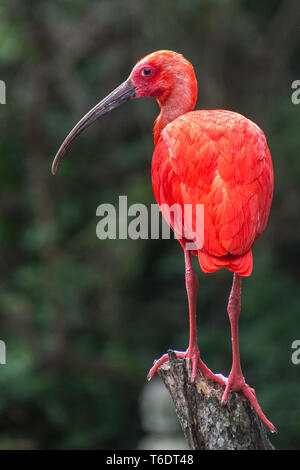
[
  {"x": 236, "y": 382},
  {"x": 194, "y": 355}
]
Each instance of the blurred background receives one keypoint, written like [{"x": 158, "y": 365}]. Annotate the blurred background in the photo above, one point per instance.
[{"x": 83, "y": 319}]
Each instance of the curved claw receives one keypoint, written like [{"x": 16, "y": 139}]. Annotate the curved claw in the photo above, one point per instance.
[
  {"x": 250, "y": 394},
  {"x": 158, "y": 362},
  {"x": 196, "y": 364}
]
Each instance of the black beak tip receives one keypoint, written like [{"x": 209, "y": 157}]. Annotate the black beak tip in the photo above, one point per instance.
[
  {"x": 55, "y": 163},
  {"x": 53, "y": 168}
]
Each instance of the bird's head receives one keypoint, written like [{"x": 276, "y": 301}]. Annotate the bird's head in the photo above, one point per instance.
[{"x": 160, "y": 75}]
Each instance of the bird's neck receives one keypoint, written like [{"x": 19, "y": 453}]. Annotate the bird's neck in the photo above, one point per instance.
[{"x": 181, "y": 100}]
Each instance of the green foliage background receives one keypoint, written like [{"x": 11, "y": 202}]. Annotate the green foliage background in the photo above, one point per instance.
[{"x": 83, "y": 319}]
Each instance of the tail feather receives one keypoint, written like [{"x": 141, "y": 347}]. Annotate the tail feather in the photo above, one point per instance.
[{"x": 240, "y": 264}]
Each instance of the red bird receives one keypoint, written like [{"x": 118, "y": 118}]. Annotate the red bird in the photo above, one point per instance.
[{"x": 216, "y": 158}]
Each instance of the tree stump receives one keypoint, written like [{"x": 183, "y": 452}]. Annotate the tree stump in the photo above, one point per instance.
[{"x": 206, "y": 424}]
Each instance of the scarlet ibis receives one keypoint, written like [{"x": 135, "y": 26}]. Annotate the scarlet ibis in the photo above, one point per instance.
[{"x": 217, "y": 158}]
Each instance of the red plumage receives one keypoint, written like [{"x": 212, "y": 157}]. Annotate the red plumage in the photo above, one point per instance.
[{"x": 220, "y": 159}]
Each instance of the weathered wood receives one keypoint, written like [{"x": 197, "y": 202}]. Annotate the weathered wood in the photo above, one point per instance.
[{"x": 206, "y": 424}]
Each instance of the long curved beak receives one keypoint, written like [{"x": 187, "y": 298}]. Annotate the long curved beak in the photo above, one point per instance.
[{"x": 125, "y": 92}]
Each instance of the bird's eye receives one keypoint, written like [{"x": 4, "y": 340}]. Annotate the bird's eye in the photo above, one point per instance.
[{"x": 146, "y": 72}]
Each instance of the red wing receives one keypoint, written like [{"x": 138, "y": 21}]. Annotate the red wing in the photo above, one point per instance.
[{"x": 219, "y": 159}]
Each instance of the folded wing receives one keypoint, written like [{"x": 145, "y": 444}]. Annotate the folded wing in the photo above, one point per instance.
[{"x": 219, "y": 159}]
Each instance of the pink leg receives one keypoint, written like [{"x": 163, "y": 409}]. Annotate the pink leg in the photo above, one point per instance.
[
  {"x": 236, "y": 381},
  {"x": 193, "y": 351}
]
